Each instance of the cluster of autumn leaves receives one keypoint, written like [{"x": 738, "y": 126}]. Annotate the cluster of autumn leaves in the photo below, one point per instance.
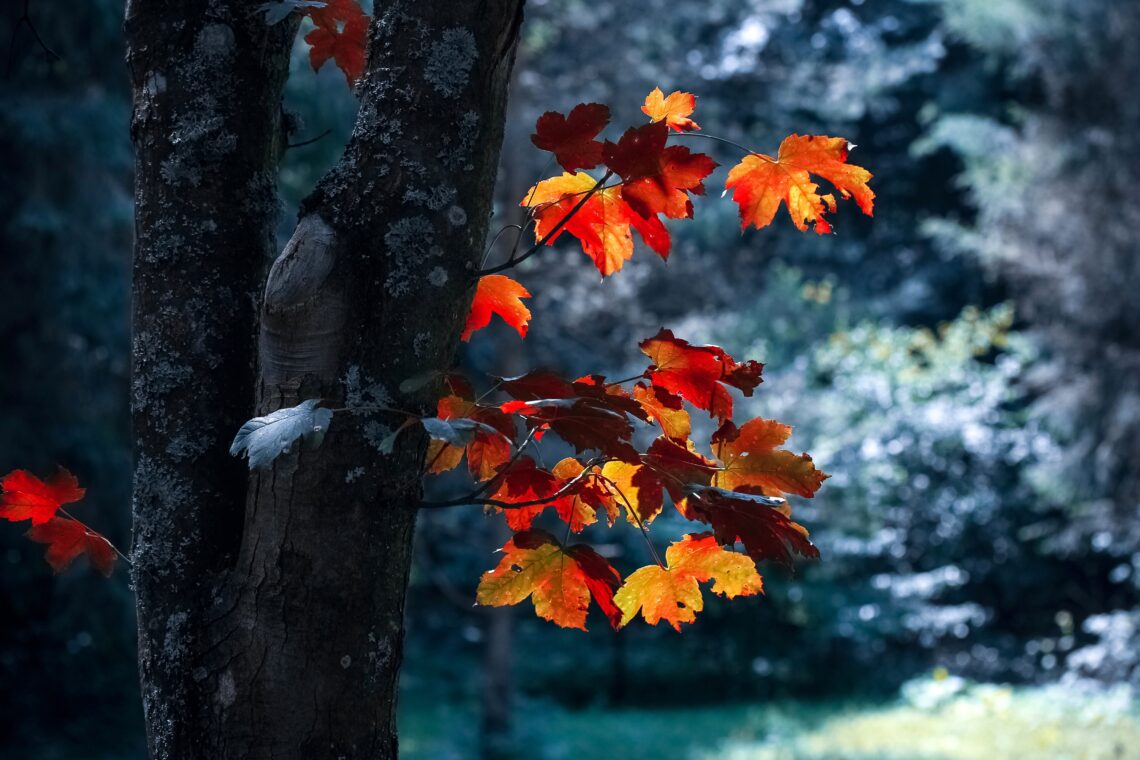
[
  {"x": 735, "y": 491},
  {"x": 27, "y": 498},
  {"x": 647, "y": 180}
]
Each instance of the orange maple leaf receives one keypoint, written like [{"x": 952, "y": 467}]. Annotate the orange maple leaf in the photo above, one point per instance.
[
  {"x": 341, "y": 34},
  {"x": 67, "y": 539},
  {"x": 560, "y": 580},
  {"x": 673, "y": 593},
  {"x": 497, "y": 294},
  {"x": 760, "y": 183},
  {"x": 602, "y": 225},
  {"x": 635, "y": 487},
  {"x": 580, "y": 506},
  {"x": 26, "y": 497},
  {"x": 673, "y": 110},
  {"x": 489, "y": 447},
  {"x": 665, "y": 408},
  {"x": 750, "y": 459}
]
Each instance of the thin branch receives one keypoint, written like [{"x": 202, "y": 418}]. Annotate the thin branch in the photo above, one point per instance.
[
  {"x": 310, "y": 141},
  {"x": 498, "y": 235},
  {"x": 375, "y": 408},
  {"x": 625, "y": 380},
  {"x": 26, "y": 20},
  {"x": 521, "y": 228},
  {"x": 466, "y": 500},
  {"x": 471, "y": 497},
  {"x": 514, "y": 261}
]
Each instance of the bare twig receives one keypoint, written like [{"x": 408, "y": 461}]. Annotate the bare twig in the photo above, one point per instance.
[
  {"x": 26, "y": 20},
  {"x": 310, "y": 141}
]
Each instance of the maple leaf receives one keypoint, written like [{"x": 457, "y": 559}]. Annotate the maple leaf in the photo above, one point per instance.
[
  {"x": 760, "y": 183},
  {"x": 611, "y": 395},
  {"x": 698, "y": 374},
  {"x": 67, "y": 539},
  {"x": 589, "y": 495},
  {"x": 657, "y": 179},
  {"x": 571, "y": 138},
  {"x": 341, "y": 34},
  {"x": 497, "y": 294},
  {"x": 559, "y": 580},
  {"x": 665, "y": 408},
  {"x": 26, "y": 497},
  {"x": 536, "y": 384},
  {"x": 678, "y": 466},
  {"x": 485, "y": 436},
  {"x": 541, "y": 384},
  {"x": 673, "y": 593},
  {"x": 442, "y": 456},
  {"x": 760, "y": 523},
  {"x": 524, "y": 481},
  {"x": 583, "y": 422},
  {"x": 750, "y": 459},
  {"x": 602, "y": 224},
  {"x": 673, "y": 110},
  {"x": 635, "y": 487}
]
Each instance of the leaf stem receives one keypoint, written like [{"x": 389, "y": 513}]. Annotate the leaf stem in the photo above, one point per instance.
[
  {"x": 724, "y": 140},
  {"x": 89, "y": 529},
  {"x": 637, "y": 518}
]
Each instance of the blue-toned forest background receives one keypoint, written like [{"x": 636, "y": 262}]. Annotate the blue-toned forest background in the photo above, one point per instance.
[{"x": 966, "y": 365}]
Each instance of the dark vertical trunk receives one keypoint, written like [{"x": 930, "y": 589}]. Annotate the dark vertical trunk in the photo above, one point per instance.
[
  {"x": 207, "y": 81},
  {"x": 284, "y": 639}
]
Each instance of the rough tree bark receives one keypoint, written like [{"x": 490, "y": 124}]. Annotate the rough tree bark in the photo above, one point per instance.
[{"x": 271, "y": 606}]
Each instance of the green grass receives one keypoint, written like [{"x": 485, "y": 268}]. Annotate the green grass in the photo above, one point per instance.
[{"x": 937, "y": 719}]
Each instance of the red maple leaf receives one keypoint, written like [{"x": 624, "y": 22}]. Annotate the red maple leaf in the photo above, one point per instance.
[
  {"x": 571, "y": 138},
  {"x": 67, "y": 539},
  {"x": 341, "y": 34},
  {"x": 584, "y": 423},
  {"x": 699, "y": 374},
  {"x": 760, "y": 523},
  {"x": 523, "y": 481},
  {"x": 657, "y": 179},
  {"x": 26, "y": 497}
]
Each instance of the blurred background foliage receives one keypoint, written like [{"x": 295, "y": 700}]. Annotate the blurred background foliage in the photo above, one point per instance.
[{"x": 966, "y": 365}]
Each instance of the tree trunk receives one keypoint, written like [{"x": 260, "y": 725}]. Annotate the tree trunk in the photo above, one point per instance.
[{"x": 276, "y": 631}]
